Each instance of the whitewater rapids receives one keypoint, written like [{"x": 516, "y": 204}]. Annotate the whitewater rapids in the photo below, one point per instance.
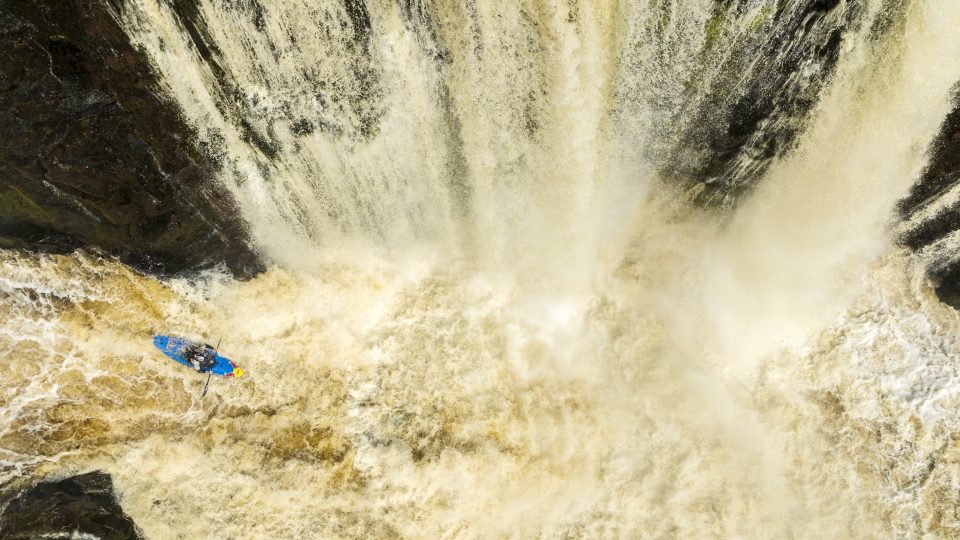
[
  {"x": 569, "y": 351},
  {"x": 386, "y": 400}
]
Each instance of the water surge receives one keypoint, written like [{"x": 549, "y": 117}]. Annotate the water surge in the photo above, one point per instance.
[{"x": 492, "y": 308}]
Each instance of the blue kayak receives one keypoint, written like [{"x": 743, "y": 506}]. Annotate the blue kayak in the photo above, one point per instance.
[{"x": 178, "y": 348}]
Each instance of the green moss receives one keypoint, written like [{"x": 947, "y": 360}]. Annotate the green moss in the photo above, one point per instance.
[
  {"x": 763, "y": 15},
  {"x": 14, "y": 204},
  {"x": 713, "y": 29}
]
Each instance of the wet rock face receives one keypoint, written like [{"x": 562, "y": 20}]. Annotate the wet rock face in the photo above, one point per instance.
[
  {"x": 93, "y": 155},
  {"x": 931, "y": 212},
  {"x": 82, "y": 506},
  {"x": 772, "y": 65}
]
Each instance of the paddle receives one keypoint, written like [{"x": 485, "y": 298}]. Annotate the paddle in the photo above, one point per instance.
[{"x": 206, "y": 384}]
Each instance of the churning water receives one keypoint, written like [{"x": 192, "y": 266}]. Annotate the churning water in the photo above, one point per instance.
[{"x": 489, "y": 314}]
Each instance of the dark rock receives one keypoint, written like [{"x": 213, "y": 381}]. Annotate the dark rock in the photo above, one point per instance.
[
  {"x": 947, "y": 284},
  {"x": 942, "y": 171},
  {"x": 768, "y": 77},
  {"x": 92, "y": 154},
  {"x": 941, "y": 174},
  {"x": 84, "y": 504},
  {"x": 823, "y": 5}
]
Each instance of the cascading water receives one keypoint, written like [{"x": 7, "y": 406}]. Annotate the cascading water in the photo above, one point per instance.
[{"x": 490, "y": 312}]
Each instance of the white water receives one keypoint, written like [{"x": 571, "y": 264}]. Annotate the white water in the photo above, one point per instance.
[{"x": 521, "y": 334}]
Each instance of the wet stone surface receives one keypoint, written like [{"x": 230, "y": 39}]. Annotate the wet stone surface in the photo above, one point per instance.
[
  {"x": 82, "y": 506},
  {"x": 92, "y": 154}
]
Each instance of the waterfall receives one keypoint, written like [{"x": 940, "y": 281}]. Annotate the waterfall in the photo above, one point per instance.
[
  {"x": 536, "y": 269},
  {"x": 518, "y": 136}
]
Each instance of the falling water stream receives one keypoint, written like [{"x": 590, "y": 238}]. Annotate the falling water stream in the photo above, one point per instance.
[{"x": 488, "y": 313}]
